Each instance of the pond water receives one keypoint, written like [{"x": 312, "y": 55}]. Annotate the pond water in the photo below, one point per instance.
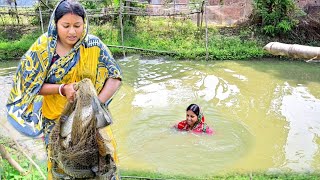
[{"x": 265, "y": 114}]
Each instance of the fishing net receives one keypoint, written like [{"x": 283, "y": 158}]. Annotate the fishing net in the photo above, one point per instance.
[{"x": 78, "y": 146}]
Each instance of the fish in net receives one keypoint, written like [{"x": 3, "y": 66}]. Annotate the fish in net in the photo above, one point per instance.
[{"x": 79, "y": 147}]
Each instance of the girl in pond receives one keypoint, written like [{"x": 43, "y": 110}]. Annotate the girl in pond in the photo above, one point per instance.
[{"x": 195, "y": 121}]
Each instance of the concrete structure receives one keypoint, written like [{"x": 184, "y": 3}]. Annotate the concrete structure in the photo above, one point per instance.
[
  {"x": 220, "y": 12},
  {"x": 306, "y": 3}
]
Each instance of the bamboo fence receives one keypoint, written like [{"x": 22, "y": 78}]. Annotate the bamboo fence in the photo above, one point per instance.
[{"x": 164, "y": 10}]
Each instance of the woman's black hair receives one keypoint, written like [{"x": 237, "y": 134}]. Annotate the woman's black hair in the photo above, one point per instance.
[
  {"x": 194, "y": 108},
  {"x": 68, "y": 6}
]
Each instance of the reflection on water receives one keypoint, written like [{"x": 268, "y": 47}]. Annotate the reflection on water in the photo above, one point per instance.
[
  {"x": 211, "y": 87},
  {"x": 265, "y": 114},
  {"x": 7, "y": 70},
  {"x": 303, "y": 127}
]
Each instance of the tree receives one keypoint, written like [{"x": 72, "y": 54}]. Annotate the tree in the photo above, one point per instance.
[{"x": 276, "y": 17}]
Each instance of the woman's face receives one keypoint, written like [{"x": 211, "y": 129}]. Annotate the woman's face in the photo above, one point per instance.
[
  {"x": 191, "y": 118},
  {"x": 70, "y": 28}
]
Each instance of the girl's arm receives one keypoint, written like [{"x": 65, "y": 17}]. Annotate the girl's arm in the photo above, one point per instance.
[{"x": 210, "y": 131}]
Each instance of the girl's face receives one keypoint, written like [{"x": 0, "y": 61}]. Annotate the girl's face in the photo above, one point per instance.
[
  {"x": 70, "y": 28},
  {"x": 192, "y": 118}
]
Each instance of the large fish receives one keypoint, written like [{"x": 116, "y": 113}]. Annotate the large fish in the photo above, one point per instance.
[
  {"x": 88, "y": 109},
  {"x": 78, "y": 145}
]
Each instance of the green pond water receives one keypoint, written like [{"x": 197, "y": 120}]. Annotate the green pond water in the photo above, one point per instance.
[{"x": 266, "y": 114}]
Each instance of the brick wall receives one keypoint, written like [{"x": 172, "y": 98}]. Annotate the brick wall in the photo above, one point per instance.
[
  {"x": 306, "y": 3},
  {"x": 230, "y": 11},
  {"x": 213, "y": 2}
]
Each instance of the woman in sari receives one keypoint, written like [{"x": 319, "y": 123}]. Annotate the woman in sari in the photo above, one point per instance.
[
  {"x": 194, "y": 122},
  {"x": 45, "y": 78}
]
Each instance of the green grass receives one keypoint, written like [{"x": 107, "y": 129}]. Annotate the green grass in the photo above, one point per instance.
[
  {"x": 182, "y": 37},
  {"x": 16, "y": 48}
]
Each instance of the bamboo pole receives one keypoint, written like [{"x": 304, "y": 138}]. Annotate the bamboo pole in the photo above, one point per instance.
[
  {"x": 24, "y": 153},
  {"x": 40, "y": 16},
  {"x": 198, "y": 20},
  {"x": 174, "y": 7},
  {"x": 5, "y": 155},
  {"x": 206, "y": 17},
  {"x": 202, "y": 11},
  {"x": 121, "y": 27},
  {"x": 17, "y": 16}
]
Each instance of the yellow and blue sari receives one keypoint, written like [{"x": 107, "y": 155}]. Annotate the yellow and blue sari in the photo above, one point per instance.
[{"x": 89, "y": 58}]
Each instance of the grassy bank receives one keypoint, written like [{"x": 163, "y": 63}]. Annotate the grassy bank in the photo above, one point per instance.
[
  {"x": 14, "y": 49},
  {"x": 180, "y": 39},
  {"x": 133, "y": 175},
  {"x": 184, "y": 38},
  {"x": 7, "y": 172}
]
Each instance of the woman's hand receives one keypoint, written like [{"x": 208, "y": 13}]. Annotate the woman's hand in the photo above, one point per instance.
[{"x": 69, "y": 91}]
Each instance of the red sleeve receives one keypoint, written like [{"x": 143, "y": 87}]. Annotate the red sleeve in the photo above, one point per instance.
[{"x": 181, "y": 125}]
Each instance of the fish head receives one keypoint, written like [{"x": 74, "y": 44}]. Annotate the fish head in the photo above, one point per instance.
[{"x": 85, "y": 91}]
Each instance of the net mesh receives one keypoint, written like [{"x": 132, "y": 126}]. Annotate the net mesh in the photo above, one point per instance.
[{"x": 84, "y": 152}]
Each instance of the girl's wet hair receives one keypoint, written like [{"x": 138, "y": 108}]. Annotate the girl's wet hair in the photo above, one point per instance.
[
  {"x": 68, "y": 6},
  {"x": 194, "y": 108}
]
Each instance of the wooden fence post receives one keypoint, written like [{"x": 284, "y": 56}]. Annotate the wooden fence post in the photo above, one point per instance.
[
  {"x": 121, "y": 27},
  {"x": 40, "y": 14},
  {"x": 206, "y": 17},
  {"x": 202, "y": 10},
  {"x": 17, "y": 16}
]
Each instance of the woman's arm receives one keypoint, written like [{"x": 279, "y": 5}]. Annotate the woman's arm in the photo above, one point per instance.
[
  {"x": 49, "y": 89},
  {"x": 110, "y": 87},
  {"x": 66, "y": 90}
]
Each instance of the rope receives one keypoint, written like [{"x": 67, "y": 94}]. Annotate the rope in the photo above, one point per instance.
[{"x": 141, "y": 49}]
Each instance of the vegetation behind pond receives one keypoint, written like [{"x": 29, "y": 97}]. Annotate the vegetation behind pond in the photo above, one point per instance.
[
  {"x": 172, "y": 37},
  {"x": 180, "y": 39}
]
